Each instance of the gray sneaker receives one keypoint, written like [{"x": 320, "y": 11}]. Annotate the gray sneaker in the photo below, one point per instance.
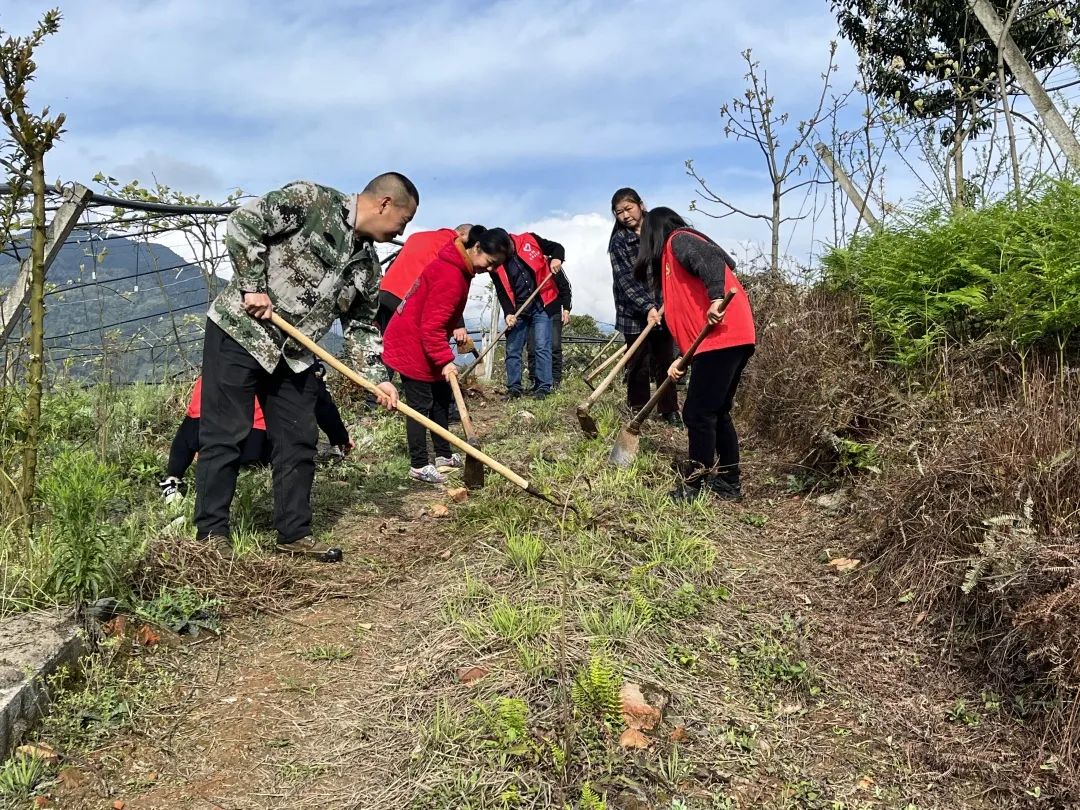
[
  {"x": 428, "y": 474},
  {"x": 454, "y": 460}
]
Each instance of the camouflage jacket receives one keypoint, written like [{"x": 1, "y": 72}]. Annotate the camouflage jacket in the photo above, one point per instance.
[{"x": 296, "y": 245}]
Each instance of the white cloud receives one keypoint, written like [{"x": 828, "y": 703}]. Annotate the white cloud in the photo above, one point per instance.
[
  {"x": 260, "y": 93},
  {"x": 585, "y": 237},
  {"x": 519, "y": 113}
]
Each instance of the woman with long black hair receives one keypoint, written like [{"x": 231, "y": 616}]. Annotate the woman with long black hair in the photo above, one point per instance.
[
  {"x": 637, "y": 305},
  {"x": 693, "y": 274}
]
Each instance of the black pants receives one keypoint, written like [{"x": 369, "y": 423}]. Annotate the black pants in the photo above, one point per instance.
[
  {"x": 432, "y": 399},
  {"x": 556, "y": 354},
  {"x": 714, "y": 445},
  {"x": 232, "y": 378},
  {"x": 388, "y": 304},
  {"x": 255, "y": 449},
  {"x": 648, "y": 365}
]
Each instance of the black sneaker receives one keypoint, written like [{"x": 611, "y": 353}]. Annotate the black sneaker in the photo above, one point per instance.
[
  {"x": 673, "y": 419},
  {"x": 541, "y": 394},
  {"x": 312, "y": 549},
  {"x": 512, "y": 394},
  {"x": 687, "y": 491},
  {"x": 726, "y": 490}
]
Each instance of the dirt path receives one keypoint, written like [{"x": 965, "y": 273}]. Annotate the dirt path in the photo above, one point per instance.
[{"x": 784, "y": 683}]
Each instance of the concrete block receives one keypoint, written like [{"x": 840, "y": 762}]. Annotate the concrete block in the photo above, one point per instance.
[{"x": 33, "y": 646}]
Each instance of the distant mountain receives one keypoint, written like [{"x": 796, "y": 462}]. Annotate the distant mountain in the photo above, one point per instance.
[
  {"x": 123, "y": 310},
  {"x": 120, "y": 309}
]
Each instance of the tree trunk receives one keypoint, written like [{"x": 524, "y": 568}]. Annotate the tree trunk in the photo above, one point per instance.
[
  {"x": 776, "y": 229},
  {"x": 1014, "y": 157},
  {"x": 1056, "y": 125},
  {"x": 36, "y": 365},
  {"x": 958, "y": 163},
  {"x": 842, "y": 180}
]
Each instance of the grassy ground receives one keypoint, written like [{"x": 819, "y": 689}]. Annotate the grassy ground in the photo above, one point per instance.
[{"x": 488, "y": 658}]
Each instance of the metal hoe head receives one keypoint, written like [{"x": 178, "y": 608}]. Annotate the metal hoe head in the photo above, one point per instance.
[
  {"x": 626, "y": 447},
  {"x": 474, "y": 468},
  {"x": 588, "y": 424}
]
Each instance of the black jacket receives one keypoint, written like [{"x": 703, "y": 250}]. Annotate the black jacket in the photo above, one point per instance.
[
  {"x": 565, "y": 299},
  {"x": 522, "y": 279}
]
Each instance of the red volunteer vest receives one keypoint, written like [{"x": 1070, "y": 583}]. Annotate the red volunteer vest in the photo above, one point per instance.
[
  {"x": 528, "y": 250},
  {"x": 194, "y": 408},
  {"x": 686, "y": 301},
  {"x": 418, "y": 252}
]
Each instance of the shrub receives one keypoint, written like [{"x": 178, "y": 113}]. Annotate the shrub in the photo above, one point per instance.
[
  {"x": 88, "y": 549},
  {"x": 1006, "y": 275}
]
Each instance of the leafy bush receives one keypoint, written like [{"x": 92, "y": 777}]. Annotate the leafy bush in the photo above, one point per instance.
[
  {"x": 999, "y": 273},
  {"x": 88, "y": 548}
]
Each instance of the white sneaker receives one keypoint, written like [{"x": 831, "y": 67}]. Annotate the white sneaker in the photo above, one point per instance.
[
  {"x": 172, "y": 489},
  {"x": 428, "y": 474},
  {"x": 455, "y": 461}
]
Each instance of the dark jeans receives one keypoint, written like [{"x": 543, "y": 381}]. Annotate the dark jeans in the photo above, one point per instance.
[
  {"x": 432, "y": 399},
  {"x": 556, "y": 354},
  {"x": 232, "y": 378},
  {"x": 536, "y": 323},
  {"x": 185, "y": 444},
  {"x": 714, "y": 445},
  {"x": 648, "y": 365}
]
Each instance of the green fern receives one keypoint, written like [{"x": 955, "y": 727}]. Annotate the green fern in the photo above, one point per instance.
[
  {"x": 642, "y": 605},
  {"x": 591, "y": 800},
  {"x": 643, "y": 585},
  {"x": 511, "y": 719},
  {"x": 595, "y": 690},
  {"x": 1001, "y": 272},
  {"x": 558, "y": 757}
]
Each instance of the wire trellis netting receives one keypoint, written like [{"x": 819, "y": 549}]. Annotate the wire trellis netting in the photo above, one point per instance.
[{"x": 128, "y": 284}]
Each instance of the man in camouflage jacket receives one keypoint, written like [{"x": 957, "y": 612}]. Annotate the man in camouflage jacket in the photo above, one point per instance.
[{"x": 307, "y": 252}]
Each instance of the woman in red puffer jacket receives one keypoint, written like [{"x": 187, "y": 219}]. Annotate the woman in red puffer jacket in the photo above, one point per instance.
[{"x": 417, "y": 340}]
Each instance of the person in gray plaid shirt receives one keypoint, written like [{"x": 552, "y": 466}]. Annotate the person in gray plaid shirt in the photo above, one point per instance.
[{"x": 637, "y": 305}]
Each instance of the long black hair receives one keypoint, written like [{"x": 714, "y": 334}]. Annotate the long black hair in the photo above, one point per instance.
[
  {"x": 493, "y": 241},
  {"x": 622, "y": 195},
  {"x": 658, "y": 225}
]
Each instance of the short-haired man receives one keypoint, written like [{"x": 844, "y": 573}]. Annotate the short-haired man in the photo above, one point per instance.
[{"x": 306, "y": 251}]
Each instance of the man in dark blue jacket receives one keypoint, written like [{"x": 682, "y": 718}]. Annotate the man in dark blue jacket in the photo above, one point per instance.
[
  {"x": 559, "y": 313},
  {"x": 535, "y": 260}
]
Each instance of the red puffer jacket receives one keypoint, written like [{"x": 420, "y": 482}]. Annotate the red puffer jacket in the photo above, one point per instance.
[{"x": 417, "y": 340}]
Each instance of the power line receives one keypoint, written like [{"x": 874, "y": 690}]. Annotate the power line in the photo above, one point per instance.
[
  {"x": 126, "y": 294},
  {"x": 100, "y": 282},
  {"x": 129, "y": 320}
]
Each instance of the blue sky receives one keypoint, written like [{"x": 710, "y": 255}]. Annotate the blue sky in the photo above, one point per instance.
[{"x": 520, "y": 114}]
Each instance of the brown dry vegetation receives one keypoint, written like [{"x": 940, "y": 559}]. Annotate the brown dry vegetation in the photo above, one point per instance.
[
  {"x": 782, "y": 683},
  {"x": 973, "y": 504}
]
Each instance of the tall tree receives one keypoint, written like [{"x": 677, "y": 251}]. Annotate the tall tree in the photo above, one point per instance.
[
  {"x": 934, "y": 61},
  {"x": 33, "y": 135}
]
